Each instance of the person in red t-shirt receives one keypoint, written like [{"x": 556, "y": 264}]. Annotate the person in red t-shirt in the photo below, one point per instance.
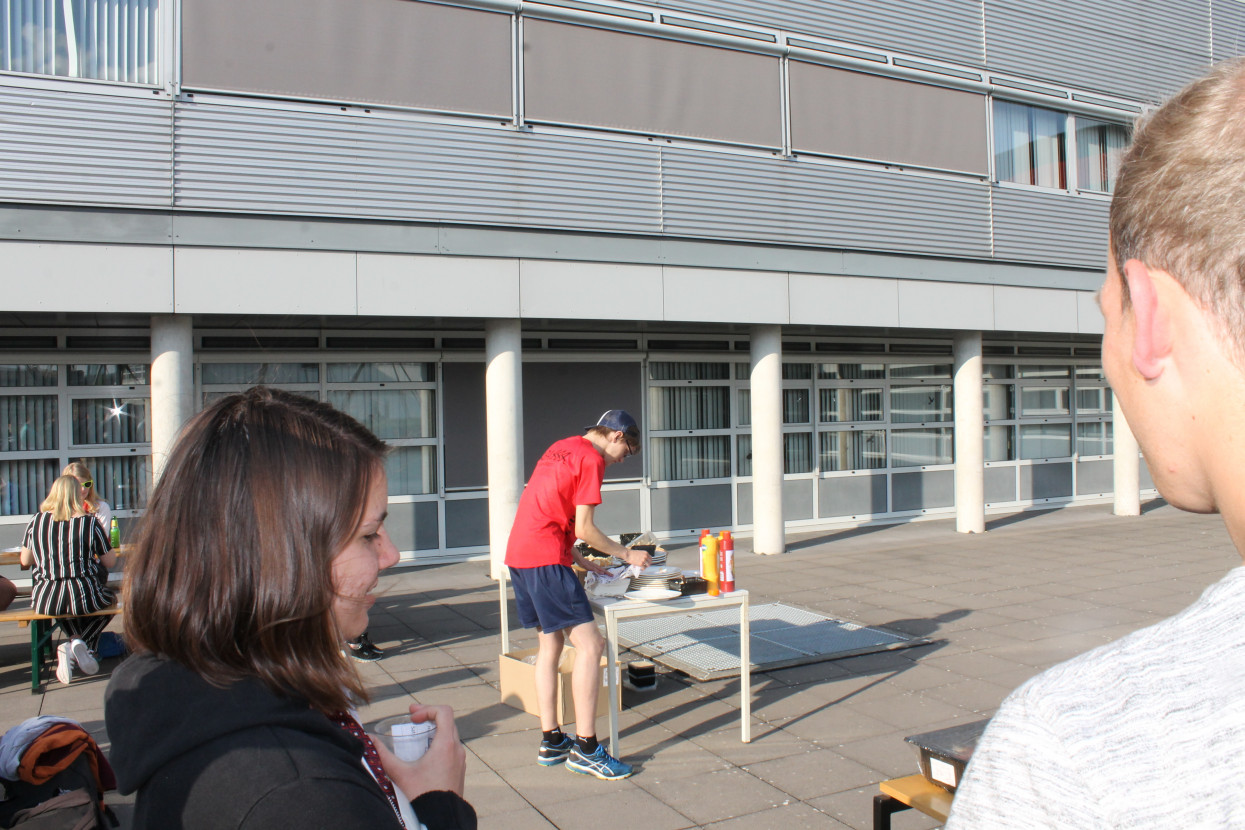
[{"x": 557, "y": 508}]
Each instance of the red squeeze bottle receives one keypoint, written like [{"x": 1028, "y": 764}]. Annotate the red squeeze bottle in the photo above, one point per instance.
[{"x": 726, "y": 556}]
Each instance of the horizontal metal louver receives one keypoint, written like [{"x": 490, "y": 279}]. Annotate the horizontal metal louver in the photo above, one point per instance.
[
  {"x": 1163, "y": 46},
  {"x": 1227, "y": 28},
  {"x": 726, "y": 196},
  {"x": 934, "y": 28},
  {"x": 1054, "y": 228},
  {"x": 254, "y": 159},
  {"x": 59, "y": 146}
]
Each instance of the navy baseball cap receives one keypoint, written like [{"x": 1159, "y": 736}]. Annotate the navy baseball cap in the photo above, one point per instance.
[{"x": 618, "y": 419}]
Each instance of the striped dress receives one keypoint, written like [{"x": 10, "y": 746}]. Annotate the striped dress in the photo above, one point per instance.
[{"x": 67, "y": 577}]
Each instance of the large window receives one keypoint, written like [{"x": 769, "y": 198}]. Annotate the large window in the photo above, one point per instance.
[
  {"x": 1031, "y": 146},
  {"x": 107, "y": 40},
  {"x": 689, "y": 420},
  {"x": 51, "y": 414},
  {"x": 396, "y": 400}
]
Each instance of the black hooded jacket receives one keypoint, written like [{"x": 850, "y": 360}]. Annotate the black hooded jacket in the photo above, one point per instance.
[{"x": 204, "y": 758}]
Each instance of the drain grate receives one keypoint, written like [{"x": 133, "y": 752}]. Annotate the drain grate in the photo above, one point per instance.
[{"x": 706, "y": 646}]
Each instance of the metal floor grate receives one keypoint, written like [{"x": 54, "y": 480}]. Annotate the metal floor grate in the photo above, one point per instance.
[{"x": 706, "y": 646}]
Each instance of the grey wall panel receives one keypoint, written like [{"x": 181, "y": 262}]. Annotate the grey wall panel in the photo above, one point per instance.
[
  {"x": 691, "y": 508},
  {"x": 857, "y": 115},
  {"x": 619, "y": 512},
  {"x": 1147, "y": 480},
  {"x": 1054, "y": 228},
  {"x": 560, "y": 399},
  {"x": 1163, "y": 44},
  {"x": 1045, "y": 481},
  {"x": 924, "y": 490},
  {"x": 797, "y": 501},
  {"x": 584, "y": 75},
  {"x": 466, "y": 454},
  {"x": 61, "y": 146},
  {"x": 413, "y": 525},
  {"x": 1095, "y": 477},
  {"x": 327, "y": 162},
  {"x": 377, "y": 51},
  {"x": 936, "y": 28},
  {"x": 851, "y": 496},
  {"x": 1000, "y": 485},
  {"x": 1227, "y": 29},
  {"x": 728, "y": 196},
  {"x": 466, "y": 523}
]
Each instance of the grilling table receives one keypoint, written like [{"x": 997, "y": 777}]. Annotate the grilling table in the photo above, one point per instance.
[{"x": 617, "y": 608}]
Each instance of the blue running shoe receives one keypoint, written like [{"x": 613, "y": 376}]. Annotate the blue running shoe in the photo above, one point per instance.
[
  {"x": 550, "y": 754},
  {"x": 600, "y": 763}
]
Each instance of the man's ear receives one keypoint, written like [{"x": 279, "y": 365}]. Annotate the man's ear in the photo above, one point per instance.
[{"x": 1151, "y": 326}]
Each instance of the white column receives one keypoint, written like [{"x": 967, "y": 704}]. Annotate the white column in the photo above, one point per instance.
[
  {"x": 1127, "y": 464},
  {"x": 503, "y": 395},
  {"x": 768, "y": 527},
  {"x": 970, "y": 471},
  {"x": 172, "y": 383}
]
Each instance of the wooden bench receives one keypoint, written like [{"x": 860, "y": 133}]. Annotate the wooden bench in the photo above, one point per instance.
[
  {"x": 42, "y": 627},
  {"x": 911, "y": 792}
]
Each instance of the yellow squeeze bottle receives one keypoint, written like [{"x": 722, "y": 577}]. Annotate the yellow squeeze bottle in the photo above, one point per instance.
[{"x": 709, "y": 563}]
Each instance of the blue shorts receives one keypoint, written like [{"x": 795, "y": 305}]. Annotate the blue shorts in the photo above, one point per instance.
[{"x": 550, "y": 598}]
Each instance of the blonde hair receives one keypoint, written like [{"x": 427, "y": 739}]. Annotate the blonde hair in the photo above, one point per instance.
[
  {"x": 64, "y": 500},
  {"x": 82, "y": 472},
  {"x": 1177, "y": 204}
]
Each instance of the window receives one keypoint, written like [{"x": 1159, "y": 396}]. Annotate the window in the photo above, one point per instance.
[
  {"x": 51, "y": 414},
  {"x": 1029, "y": 145},
  {"x": 107, "y": 40},
  {"x": 689, "y": 398},
  {"x": 1099, "y": 147}
]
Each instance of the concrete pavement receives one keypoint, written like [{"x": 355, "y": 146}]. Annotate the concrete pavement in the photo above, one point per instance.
[{"x": 998, "y": 607}]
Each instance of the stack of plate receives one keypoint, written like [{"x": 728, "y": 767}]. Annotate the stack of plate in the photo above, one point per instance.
[
  {"x": 658, "y": 555},
  {"x": 659, "y": 577}
]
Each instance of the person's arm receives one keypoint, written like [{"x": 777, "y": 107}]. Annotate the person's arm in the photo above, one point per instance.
[
  {"x": 586, "y": 529},
  {"x": 26, "y": 556},
  {"x": 100, "y": 546}
]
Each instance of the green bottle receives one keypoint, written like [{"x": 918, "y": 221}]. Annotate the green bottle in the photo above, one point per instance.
[{"x": 116, "y": 533}]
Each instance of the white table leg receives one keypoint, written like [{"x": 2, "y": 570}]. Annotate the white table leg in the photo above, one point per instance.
[
  {"x": 745, "y": 673},
  {"x": 611, "y": 660}
]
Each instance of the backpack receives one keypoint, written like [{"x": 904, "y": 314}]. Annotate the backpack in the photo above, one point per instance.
[{"x": 67, "y": 801}]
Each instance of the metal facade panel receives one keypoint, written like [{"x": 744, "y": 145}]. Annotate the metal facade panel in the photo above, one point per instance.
[
  {"x": 1227, "y": 28},
  {"x": 1050, "y": 227},
  {"x": 60, "y": 146},
  {"x": 257, "y": 159},
  {"x": 947, "y": 29},
  {"x": 725, "y": 196},
  {"x": 1164, "y": 44}
]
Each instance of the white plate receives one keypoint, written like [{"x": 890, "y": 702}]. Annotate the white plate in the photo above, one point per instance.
[
  {"x": 651, "y": 594},
  {"x": 661, "y": 573}
]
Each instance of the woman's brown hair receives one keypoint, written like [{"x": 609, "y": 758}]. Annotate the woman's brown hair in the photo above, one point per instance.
[{"x": 231, "y": 573}]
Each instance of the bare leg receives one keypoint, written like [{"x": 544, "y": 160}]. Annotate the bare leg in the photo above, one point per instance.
[
  {"x": 547, "y": 677},
  {"x": 586, "y": 676}
]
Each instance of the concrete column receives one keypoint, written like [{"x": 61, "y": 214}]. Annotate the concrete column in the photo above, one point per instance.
[
  {"x": 970, "y": 471},
  {"x": 503, "y": 394},
  {"x": 1127, "y": 464},
  {"x": 769, "y": 529},
  {"x": 172, "y": 383}
]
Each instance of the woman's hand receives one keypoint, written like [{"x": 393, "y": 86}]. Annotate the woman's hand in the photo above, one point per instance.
[{"x": 444, "y": 765}]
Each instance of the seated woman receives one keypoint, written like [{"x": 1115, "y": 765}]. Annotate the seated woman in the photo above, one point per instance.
[
  {"x": 70, "y": 556},
  {"x": 95, "y": 504},
  {"x": 256, "y": 559}
]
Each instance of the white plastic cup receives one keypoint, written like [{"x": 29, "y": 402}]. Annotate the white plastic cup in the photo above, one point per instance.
[{"x": 408, "y": 740}]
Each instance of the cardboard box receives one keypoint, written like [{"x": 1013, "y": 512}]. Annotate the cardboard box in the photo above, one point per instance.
[{"x": 518, "y": 683}]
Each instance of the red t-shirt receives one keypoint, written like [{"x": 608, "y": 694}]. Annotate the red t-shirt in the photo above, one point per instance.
[{"x": 568, "y": 474}]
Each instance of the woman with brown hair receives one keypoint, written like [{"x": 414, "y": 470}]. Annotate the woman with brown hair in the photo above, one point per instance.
[
  {"x": 256, "y": 559},
  {"x": 70, "y": 556}
]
